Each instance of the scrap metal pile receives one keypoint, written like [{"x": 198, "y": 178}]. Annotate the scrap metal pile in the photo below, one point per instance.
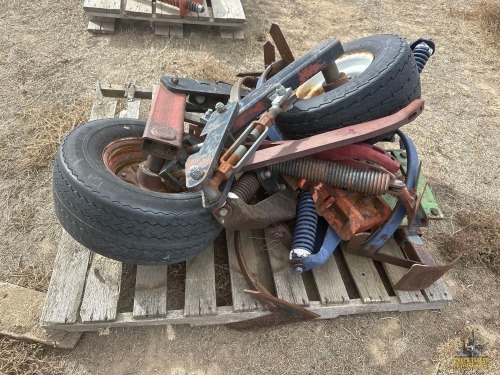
[{"x": 276, "y": 150}]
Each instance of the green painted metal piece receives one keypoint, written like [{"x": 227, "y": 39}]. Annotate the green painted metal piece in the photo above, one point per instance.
[{"x": 428, "y": 205}]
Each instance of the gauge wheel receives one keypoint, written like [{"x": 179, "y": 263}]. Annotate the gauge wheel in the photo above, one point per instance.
[
  {"x": 104, "y": 209},
  {"x": 383, "y": 78}
]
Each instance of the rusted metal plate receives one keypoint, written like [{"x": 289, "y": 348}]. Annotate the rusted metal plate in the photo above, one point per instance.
[
  {"x": 288, "y": 150},
  {"x": 163, "y": 133}
]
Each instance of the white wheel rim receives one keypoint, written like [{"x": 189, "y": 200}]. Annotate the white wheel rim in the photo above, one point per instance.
[{"x": 352, "y": 64}]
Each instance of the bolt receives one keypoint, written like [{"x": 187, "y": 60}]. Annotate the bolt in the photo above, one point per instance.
[
  {"x": 196, "y": 172},
  {"x": 208, "y": 113},
  {"x": 398, "y": 183},
  {"x": 223, "y": 212},
  {"x": 403, "y": 154},
  {"x": 280, "y": 90},
  {"x": 124, "y": 174},
  {"x": 281, "y": 187},
  {"x": 435, "y": 211},
  {"x": 174, "y": 80},
  {"x": 265, "y": 174},
  {"x": 220, "y": 107},
  {"x": 298, "y": 269}
]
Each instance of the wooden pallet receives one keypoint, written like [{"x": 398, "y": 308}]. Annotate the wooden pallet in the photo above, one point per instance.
[
  {"x": 227, "y": 15},
  {"x": 85, "y": 288}
]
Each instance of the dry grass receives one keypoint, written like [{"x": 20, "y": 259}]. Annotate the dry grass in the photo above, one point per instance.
[
  {"x": 33, "y": 145},
  {"x": 31, "y": 276},
  {"x": 487, "y": 15},
  {"x": 23, "y": 357},
  {"x": 478, "y": 238}
]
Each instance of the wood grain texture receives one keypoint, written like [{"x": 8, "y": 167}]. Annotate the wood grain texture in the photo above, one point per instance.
[
  {"x": 226, "y": 315},
  {"x": 367, "y": 280},
  {"x": 200, "y": 284},
  {"x": 139, "y": 7},
  {"x": 104, "y": 6},
  {"x": 102, "y": 290},
  {"x": 20, "y": 313},
  {"x": 438, "y": 292},
  {"x": 241, "y": 300},
  {"x": 106, "y": 27},
  {"x": 102, "y": 107},
  {"x": 231, "y": 33},
  {"x": 150, "y": 298},
  {"x": 228, "y": 11},
  {"x": 329, "y": 283},
  {"x": 67, "y": 282},
  {"x": 164, "y": 10},
  {"x": 169, "y": 30},
  {"x": 288, "y": 283},
  {"x": 395, "y": 273}
]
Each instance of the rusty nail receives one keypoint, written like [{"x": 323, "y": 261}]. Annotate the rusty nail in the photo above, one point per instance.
[
  {"x": 220, "y": 107},
  {"x": 435, "y": 211},
  {"x": 174, "y": 80}
]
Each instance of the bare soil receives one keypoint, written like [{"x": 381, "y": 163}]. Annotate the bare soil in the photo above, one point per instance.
[{"x": 49, "y": 65}]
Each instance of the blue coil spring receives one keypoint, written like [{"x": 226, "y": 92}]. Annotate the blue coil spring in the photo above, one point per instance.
[
  {"x": 306, "y": 224},
  {"x": 422, "y": 52}
]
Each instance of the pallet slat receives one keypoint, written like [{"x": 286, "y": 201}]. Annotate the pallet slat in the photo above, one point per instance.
[
  {"x": 102, "y": 289},
  {"x": 330, "y": 285},
  {"x": 104, "y": 6},
  {"x": 395, "y": 273},
  {"x": 367, "y": 280},
  {"x": 288, "y": 283},
  {"x": 102, "y": 107},
  {"x": 241, "y": 300},
  {"x": 200, "y": 284},
  {"x": 67, "y": 282},
  {"x": 150, "y": 298},
  {"x": 139, "y": 7},
  {"x": 228, "y": 11},
  {"x": 99, "y": 26}
]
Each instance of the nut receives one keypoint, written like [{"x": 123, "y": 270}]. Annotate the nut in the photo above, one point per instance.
[
  {"x": 220, "y": 107},
  {"x": 196, "y": 172}
]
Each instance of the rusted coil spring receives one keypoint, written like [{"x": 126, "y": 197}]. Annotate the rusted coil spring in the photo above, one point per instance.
[
  {"x": 246, "y": 186},
  {"x": 194, "y": 7},
  {"x": 343, "y": 176}
]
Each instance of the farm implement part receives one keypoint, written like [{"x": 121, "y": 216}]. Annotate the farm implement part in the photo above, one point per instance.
[{"x": 277, "y": 150}]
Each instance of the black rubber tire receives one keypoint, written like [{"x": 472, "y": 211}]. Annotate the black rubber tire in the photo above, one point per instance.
[
  {"x": 117, "y": 219},
  {"x": 390, "y": 83}
]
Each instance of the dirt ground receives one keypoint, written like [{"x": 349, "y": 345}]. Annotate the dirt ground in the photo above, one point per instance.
[{"x": 49, "y": 65}]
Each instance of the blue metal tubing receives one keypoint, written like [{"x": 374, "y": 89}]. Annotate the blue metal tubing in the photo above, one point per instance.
[
  {"x": 330, "y": 243},
  {"x": 377, "y": 240}
]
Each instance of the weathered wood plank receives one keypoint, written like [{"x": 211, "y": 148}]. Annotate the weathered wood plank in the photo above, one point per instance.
[
  {"x": 104, "y": 6},
  {"x": 169, "y": 30},
  {"x": 150, "y": 298},
  {"x": 106, "y": 27},
  {"x": 395, "y": 273},
  {"x": 102, "y": 107},
  {"x": 231, "y": 33},
  {"x": 200, "y": 284},
  {"x": 226, "y": 315},
  {"x": 367, "y": 280},
  {"x": 119, "y": 91},
  {"x": 241, "y": 300},
  {"x": 438, "y": 292},
  {"x": 102, "y": 290},
  {"x": 21, "y": 309},
  {"x": 164, "y": 10},
  {"x": 139, "y": 7},
  {"x": 288, "y": 283},
  {"x": 228, "y": 11},
  {"x": 330, "y": 285},
  {"x": 67, "y": 282}
]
